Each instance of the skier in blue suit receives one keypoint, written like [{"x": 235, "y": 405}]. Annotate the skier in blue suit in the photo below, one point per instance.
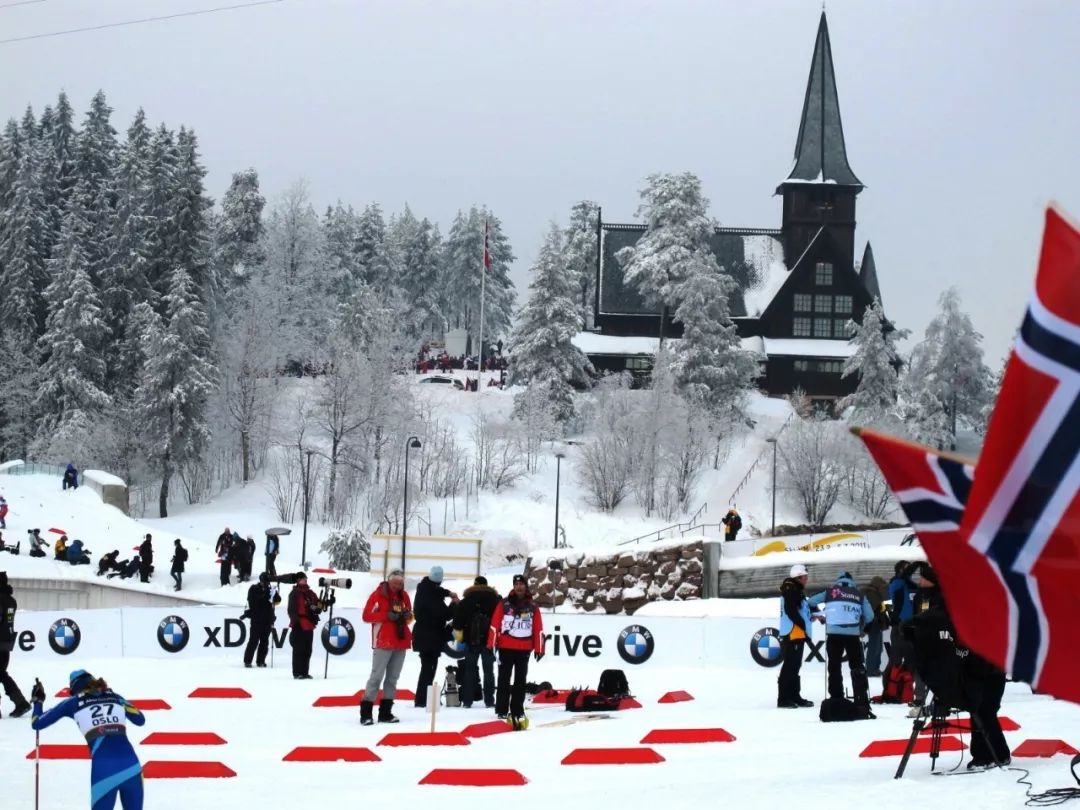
[{"x": 102, "y": 717}]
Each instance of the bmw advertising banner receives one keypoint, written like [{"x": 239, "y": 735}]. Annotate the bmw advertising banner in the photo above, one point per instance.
[{"x": 622, "y": 642}]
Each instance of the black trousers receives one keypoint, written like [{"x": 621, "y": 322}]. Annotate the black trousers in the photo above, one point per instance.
[
  {"x": 178, "y": 578},
  {"x": 270, "y": 569},
  {"x": 513, "y": 664},
  {"x": 226, "y": 570},
  {"x": 11, "y": 689},
  {"x": 836, "y": 646},
  {"x": 470, "y": 674},
  {"x": 258, "y": 643},
  {"x": 429, "y": 665},
  {"x": 988, "y": 746},
  {"x": 144, "y": 570},
  {"x": 301, "y": 650},
  {"x": 789, "y": 686}
]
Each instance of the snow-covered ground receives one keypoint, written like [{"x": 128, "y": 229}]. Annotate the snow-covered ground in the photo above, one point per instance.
[{"x": 777, "y": 756}]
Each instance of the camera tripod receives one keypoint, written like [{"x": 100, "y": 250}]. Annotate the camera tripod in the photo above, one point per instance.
[{"x": 938, "y": 716}]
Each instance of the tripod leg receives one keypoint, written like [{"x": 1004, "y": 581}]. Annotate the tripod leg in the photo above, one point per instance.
[{"x": 916, "y": 727}]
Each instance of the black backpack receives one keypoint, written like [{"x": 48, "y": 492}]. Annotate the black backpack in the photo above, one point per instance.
[
  {"x": 835, "y": 710},
  {"x": 589, "y": 700},
  {"x": 479, "y": 626},
  {"x": 613, "y": 684}
]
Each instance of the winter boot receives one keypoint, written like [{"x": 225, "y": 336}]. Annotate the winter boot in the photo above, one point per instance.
[
  {"x": 365, "y": 712},
  {"x": 385, "y": 713},
  {"x": 518, "y": 722},
  {"x": 21, "y": 708}
]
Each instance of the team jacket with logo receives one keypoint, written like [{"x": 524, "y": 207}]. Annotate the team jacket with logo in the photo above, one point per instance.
[{"x": 517, "y": 625}]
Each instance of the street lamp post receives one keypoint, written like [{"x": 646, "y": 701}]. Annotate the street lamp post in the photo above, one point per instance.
[
  {"x": 411, "y": 442},
  {"x": 307, "y": 506},
  {"x": 773, "y": 442},
  {"x": 558, "y": 474}
]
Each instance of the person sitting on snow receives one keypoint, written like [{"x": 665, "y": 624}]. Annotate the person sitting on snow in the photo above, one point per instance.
[
  {"x": 76, "y": 555},
  {"x": 60, "y": 549},
  {"x": 37, "y": 543},
  {"x": 9, "y": 548},
  {"x": 108, "y": 562},
  {"x": 71, "y": 477}
]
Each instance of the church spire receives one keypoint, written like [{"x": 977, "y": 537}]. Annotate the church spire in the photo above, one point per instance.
[
  {"x": 868, "y": 273},
  {"x": 820, "y": 155}
]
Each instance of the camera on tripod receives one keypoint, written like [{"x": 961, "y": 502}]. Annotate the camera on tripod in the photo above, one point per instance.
[{"x": 451, "y": 689}]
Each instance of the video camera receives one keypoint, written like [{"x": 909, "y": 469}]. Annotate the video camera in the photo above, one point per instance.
[
  {"x": 338, "y": 582},
  {"x": 286, "y": 579}
]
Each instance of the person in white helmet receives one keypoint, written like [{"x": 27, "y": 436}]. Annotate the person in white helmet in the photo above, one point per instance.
[{"x": 794, "y": 631}]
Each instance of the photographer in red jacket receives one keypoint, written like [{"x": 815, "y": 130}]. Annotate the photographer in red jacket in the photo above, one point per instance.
[
  {"x": 304, "y": 610},
  {"x": 516, "y": 630},
  {"x": 388, "y": 611}
]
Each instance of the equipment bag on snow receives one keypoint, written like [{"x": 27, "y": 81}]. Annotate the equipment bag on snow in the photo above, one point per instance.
[
  {"x": 613, "y": 684},
  {"x": 589, "y": 700},
  {"x": 898, "y": 686},
  {"x": 835, "y": 710}
]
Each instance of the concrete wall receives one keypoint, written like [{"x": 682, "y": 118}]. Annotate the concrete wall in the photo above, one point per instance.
[
  {"x": 68, "y": 594},
  {"x": 111, "y": 494}
]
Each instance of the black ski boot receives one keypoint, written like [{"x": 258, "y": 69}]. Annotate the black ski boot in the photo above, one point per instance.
[
  {"x": 365, "y": 712},
  {"x": 385, "y": 713},
  {"x": 21, "y": 708}
]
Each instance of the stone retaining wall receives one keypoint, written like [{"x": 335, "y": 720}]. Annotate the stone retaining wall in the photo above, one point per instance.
[{"x": 620, "y": 582}]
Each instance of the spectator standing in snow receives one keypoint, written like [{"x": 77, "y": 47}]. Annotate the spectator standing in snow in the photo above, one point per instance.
[
  {"x": 38, "y": 545},
  {"x": 3, "y": 512},
  {"x": 794, "y": 631},
  {"x": 71, "y": 477},
  {"x": 847, "y": 613},
  {"x": 876, "y": 593},
  {"x": 272, "y": 547},
  {"x": 472, "y": 620},
  {"x": 146, "y": 559},
  {"x": 732, "y": 523},
  {"x": 261, "y": 613},
  {"x": 249, "y": 556},
  {"x": 303, "y": 617},
  {"x": 8, "y": 607},
  {"x": 516, "y": 630},
  {"x": 237, "y": 550},
  {"x": 388, "y": 611},
  {"x": 223, "y": 550},
  {"x": 179, "y": 557},
  {"x": 432, "y": 628}
]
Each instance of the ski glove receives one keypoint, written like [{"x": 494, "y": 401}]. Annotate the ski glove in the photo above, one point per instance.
[
  {"x": 37, "y": 694},
  {"x": 538, "y": 655},
  {"x": 395, "y": 616}
]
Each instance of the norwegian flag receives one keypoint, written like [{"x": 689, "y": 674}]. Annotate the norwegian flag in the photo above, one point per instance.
[
  {"x": 487, "y": 252},
  {"x": 1008, "y": 552}
]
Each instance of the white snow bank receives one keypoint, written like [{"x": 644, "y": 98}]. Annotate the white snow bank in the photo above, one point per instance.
[
  {"x": 592, "y": 343},
  {"x": 9, "y": 465},
  {"x": 830, "y": 555},
  {"x": 103, "y": 478}
]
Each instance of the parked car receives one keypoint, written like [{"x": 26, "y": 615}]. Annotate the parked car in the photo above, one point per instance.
[{"x": 439, "y": 379}]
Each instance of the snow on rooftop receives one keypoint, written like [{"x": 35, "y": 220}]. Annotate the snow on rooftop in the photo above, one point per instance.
[
  {"x": 808, "y": 347},
  {"x": 592, "y": 343},
  {"x": 103, "y": 478},
  {"x": 765, "y": 254}
]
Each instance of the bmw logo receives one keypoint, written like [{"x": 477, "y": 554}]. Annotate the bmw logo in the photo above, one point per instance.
[
  {"x": 64, "y": 636},
  {"x": 765, "y": 647},
  {"x": 635, "y": 644},
  {"x": 173, "y": 634},
  {"x": 338, "y": 636}
]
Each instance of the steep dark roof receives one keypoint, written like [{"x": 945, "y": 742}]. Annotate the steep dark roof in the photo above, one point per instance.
[
  {"x": 820, "y": 155},
  {"x": 754, "y": 257},
  {"x": 868, "y": 273}
]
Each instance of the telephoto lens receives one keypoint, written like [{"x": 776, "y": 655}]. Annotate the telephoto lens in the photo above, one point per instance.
[{"x": 339, "y": 582}]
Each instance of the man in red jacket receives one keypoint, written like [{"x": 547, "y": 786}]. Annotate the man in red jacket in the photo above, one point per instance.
[
  {"x": 388, "y": 611},
  {"x": 516, "y": 630},
  {"x": 304, "y": 612}
]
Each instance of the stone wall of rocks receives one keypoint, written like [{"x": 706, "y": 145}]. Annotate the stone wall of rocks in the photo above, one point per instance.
[{"x": 619, "y": 582}]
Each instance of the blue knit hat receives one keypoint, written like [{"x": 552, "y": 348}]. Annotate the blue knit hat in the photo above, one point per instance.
[
  {"x": 79, "y": 680},
  {"x": 436, "y": 574}
]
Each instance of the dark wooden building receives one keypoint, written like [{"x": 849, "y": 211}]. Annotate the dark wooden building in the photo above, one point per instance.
[{"x": 798, "y": 285}]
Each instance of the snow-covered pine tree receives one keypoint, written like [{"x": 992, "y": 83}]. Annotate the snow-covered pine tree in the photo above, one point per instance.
[
  {"x": 191, "y": 216},
  {"x": 21, "y": 375},
  {"x": 541, "y": 348},
  {"x": 416, "y": 245},
  {"x": 176, "y": 380},
  {"x": 162, "y": 162},
  {"x": 239, "y": 230},
  {"x": 342, "y": 275},
  {"x": 580, "y": 256},
  {"x": 72, "y": 394},
  {"x": 348, "y": 549},
  {"x": 24, "y": 248},
  {"x": 461, "y": 277},
  {"x": 675, "y": 245},
  {"x": 371, "y": 250},
  {"x": 57, "y": 134},
  {"x": 95, "y": 165},
  {"x": 948, "y": 366},
  {"x": 876, "y": 362},
  {"x": 125, "y": 281},
  {"x": 710, "y": 364}
]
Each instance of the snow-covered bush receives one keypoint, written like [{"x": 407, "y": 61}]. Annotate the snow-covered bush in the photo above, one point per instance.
[{"x": 348, "y": 549}]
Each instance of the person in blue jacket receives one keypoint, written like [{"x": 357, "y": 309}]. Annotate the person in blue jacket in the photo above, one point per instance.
[
  {"x": 847, "y": 613},
  {"x": 77, "y": 554},
  {"x": 902, "y": 593},
  {"x": 102, "y": 717}
]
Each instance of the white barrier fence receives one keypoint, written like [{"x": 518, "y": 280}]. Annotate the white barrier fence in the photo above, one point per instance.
[{"x": 189, "y": 632}]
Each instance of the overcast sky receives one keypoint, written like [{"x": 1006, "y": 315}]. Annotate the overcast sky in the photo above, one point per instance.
[{"x": 962, "y": 118}]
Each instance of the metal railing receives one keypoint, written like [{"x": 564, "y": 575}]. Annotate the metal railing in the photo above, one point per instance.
[
  {"x": 760, "y": 457},
  {"x": 39, "y": 468},
  {"x": 680, "y": 528}
]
